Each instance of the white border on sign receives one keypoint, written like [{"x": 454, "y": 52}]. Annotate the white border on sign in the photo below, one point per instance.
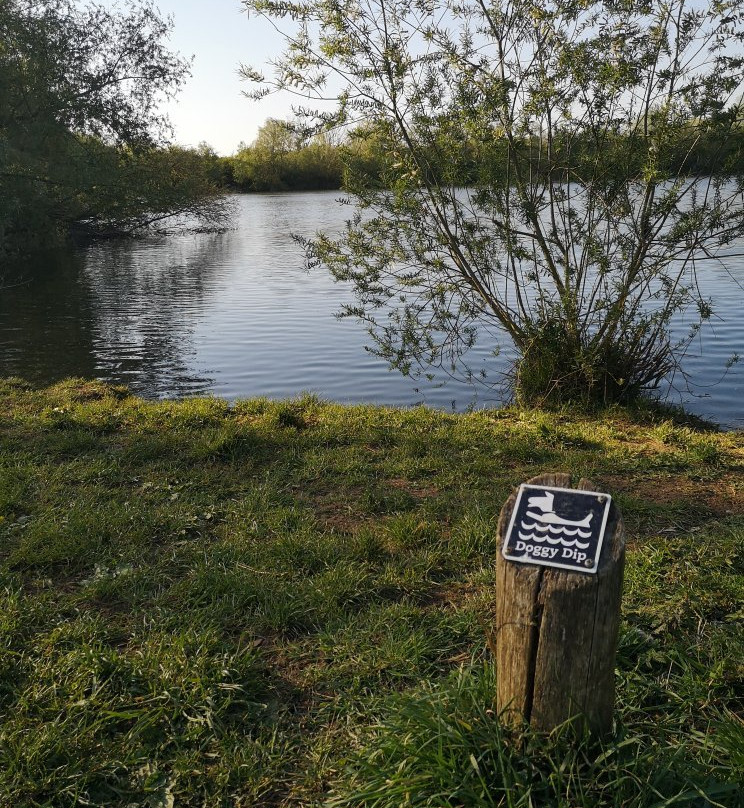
[{"x": 527, "y": 560}]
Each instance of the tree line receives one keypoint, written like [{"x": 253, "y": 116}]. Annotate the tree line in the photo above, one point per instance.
[
  {"x": 281, "y": 159},
  {"x": 84, "y": 150}
]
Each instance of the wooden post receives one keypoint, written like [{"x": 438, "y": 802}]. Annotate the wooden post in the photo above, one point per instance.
[{"x": 556, "y": 630}]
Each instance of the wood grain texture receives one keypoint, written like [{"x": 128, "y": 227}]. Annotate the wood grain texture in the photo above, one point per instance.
[{"x": 555, "y": 631}]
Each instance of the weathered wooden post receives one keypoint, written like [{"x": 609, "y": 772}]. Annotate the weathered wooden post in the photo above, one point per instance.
[{"x": 558, "y": 590}]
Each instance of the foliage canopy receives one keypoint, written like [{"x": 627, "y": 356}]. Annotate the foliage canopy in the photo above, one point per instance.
[
  {"x": 579, "y": 234},
  {"x": 80, "y": 129},
  {"x": 279, "y": 160}
]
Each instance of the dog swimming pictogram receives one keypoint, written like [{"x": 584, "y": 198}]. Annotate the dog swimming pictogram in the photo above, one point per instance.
[
  {"x": 557, "y": 527},
  {"x": 543, "y": 525}
]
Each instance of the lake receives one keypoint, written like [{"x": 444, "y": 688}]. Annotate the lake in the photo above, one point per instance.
[{"x": 236, "y": 315}]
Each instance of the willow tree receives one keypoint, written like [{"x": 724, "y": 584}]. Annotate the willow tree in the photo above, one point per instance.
[{"x": 582, "y": 223}]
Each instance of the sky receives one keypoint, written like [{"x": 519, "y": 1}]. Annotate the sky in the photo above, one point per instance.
[{"x": 210, "y": 106}]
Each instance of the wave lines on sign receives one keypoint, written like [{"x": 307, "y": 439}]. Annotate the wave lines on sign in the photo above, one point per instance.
[
  {"x": 566, "y": 531},
  {"x": 551, "y": 540}
]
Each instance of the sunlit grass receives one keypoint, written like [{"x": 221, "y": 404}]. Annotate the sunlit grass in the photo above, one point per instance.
[{"x": 286, "y": 603}]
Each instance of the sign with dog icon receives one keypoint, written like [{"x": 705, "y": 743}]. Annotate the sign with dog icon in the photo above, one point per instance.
[{"x": 557, "y": 527}]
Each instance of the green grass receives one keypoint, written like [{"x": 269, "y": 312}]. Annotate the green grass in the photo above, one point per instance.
[{"x": 286, "y": 604}]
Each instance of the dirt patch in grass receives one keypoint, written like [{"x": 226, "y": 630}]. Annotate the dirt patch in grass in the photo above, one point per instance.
[
  {"x": 721, "y": 497},
  {"x": 342, "y": 509},
  {"x": 417, "y": 490},
  {"x": 452, "y": 595},
  {"x": 335, "y": 509}
]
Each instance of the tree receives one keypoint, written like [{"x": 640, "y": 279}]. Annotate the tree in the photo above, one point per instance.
[
  {"x": 273, "y": 142},
  {"x": 580, "y": 233},
  {"x": 81, "y": 138},
  {"x": 280, "y": 160}
]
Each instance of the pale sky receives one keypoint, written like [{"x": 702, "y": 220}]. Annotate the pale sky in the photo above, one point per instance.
[{"x": 210, "y": 106}]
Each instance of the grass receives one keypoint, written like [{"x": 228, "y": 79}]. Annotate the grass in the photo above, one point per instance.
[{"x": 286, "y": 603}]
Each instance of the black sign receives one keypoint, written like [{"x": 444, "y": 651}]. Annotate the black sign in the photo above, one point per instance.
[{"x": 557, "y": 527}]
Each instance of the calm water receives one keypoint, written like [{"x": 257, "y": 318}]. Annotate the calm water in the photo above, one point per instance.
[{"x": 236, "y": 315}]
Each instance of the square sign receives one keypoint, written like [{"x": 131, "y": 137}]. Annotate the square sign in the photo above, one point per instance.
[{"x": 557, "y": 527}]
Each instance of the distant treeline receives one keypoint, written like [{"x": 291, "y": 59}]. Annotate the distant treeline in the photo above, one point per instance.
[{"x": 280, "y": 160}]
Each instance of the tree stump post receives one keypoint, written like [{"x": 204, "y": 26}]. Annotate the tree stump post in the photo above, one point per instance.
[{"x": 556, "y": 629}]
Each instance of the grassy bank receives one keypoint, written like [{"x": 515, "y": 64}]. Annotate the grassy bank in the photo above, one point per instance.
[{"x": 283, "y": 604}]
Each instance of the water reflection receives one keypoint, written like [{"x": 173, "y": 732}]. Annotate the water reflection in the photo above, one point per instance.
[
  {"x": 236, "y": 315},
  {"x": 46, "y": 317},
  {"x": 149, "y": 298}
]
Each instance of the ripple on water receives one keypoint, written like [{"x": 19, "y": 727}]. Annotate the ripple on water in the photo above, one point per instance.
[{"x": 237, "y": 315}]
